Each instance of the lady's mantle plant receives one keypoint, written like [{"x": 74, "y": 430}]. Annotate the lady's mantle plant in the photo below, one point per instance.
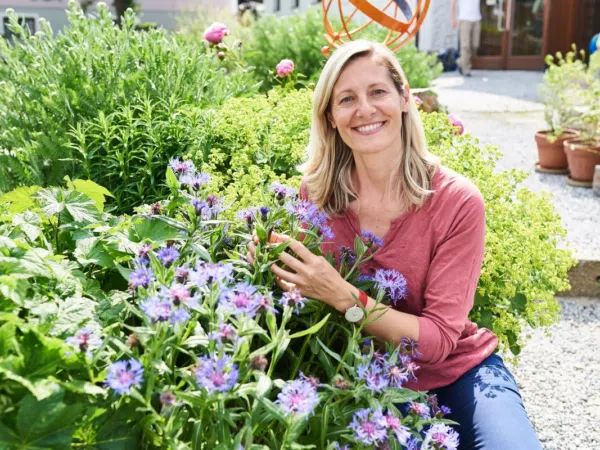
[{"x": 154, "y": 331}]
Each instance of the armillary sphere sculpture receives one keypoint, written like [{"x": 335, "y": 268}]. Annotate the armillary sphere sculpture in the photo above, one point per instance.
[{"x": 398, "y": 16}]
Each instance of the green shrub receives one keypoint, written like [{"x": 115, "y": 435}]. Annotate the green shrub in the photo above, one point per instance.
[
  {"x": 523, "y": 266},
  {"x": 109, "y": 103}
]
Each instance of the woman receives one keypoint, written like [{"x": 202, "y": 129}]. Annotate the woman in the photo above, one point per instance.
[{"x": 369, "y": 168}]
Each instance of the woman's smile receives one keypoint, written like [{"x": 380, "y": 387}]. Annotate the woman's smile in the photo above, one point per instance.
[{"x": 369, "y": 129}]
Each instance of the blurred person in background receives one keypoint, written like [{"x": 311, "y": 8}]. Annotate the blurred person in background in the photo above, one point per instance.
[{"x": 469, "y": 24}]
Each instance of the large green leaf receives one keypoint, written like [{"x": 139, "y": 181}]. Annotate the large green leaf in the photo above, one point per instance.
[
  {"x": 41, "y": 354},
  {"x": 21, "y": 199},
  {"x": 8, "y": 340},
  {"x": 72, "y": 313},
  {"x": 68, "y": 205},
  {"x": 94, "y": 191},
  {"x": 153, "y": 229},
  {"x": 30, "y": 223},
  {"x": 119, "y": 432}
]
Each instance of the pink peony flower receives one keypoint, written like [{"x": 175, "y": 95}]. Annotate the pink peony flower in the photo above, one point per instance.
[
  {"x": 285, "y": 67},
  {"x": 215, "y": 33},
  {"x": 418, "y": 101},
  {"x": 456, "y": 122}
]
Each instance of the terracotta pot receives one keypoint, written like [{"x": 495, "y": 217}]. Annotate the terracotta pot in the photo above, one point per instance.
[
  {"x": 583, "y": 158},
  {"x": 552, "y": 155}
]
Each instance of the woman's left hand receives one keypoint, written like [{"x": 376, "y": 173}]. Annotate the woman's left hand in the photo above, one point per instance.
[{"x": 313, "y": 276}]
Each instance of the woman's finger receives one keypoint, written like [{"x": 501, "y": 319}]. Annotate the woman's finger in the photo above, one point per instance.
[
  {"x": 284, "y": 285},
  {"x": 285, "y": 275},
  {"x": 293, "y": 263},
  {"x": 249, "y": 258},
  {"x": 251, "y": 247},
  {"x": 301, "y": 250}
]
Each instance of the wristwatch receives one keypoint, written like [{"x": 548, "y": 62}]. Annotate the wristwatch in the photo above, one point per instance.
[{"x": 355, "y": 312}]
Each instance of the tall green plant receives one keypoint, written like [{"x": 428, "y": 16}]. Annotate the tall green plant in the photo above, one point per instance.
[{"x": 104, "y": 101}]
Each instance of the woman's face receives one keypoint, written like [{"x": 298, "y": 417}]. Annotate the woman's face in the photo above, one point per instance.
[{"x": 366, "y": 109}]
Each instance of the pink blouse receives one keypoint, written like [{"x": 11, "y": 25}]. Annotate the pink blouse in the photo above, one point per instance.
[{"x": 439, "y": 250}]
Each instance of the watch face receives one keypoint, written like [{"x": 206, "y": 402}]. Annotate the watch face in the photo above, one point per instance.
[{"x": 354, "y": 314}]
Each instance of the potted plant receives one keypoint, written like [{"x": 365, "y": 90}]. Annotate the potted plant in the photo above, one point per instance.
[
  {"x": 583, "y": 152},
  {"x": 563, "y": 76}
]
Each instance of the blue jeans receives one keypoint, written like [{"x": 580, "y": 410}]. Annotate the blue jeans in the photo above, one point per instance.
[{"x": 486, "y": 403}]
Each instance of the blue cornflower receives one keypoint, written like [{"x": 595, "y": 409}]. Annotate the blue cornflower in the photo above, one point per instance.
[
  {"x": 239, "y": 300},
  {"x": 248, "y": 216},
  {"x": 396, "y": 375},
  {"x": 180, "y": 315},
  {"x": 393, "y": 283},
  {"x": 180, "y": 167},
  {"x": 143, "y": 259},
  {"x": 346, "y": 255},
  {"x": 293, "y": 299},
  {"x": 225, "y": 333},
  {"x": 264, "y": 212},
  {"x": 413, "y": 444},
  {"x": 182, "y": 273},
  {"x": 142, "y": 276},
  {"x": 372, "y": 240},
  {"x": 373, "y": 375},
  {"x": 167, "y": 255},
  {"x": 195, "y": 181},
  {"x": 85, "y": 340},
  {"x": 440, "y": 436},
  {"x": 297, "y": 397},
  {"x": 214, "y": 207},
  {"x": 370, "y": 427},
  {"x": 123, "y": 375},
  {"x": 281, "y": 191},
  {"x": 410, "y": 347},
  {"x": 157, "y": 309},
  {"x": 207, "y": 274},
  {"x": 420, "y": 409},
  {"x": 265, "y": 302},
  {"x": 402, "y": 433},
  {"x": 179, "y": 294},
  {"x": 337, "y": 446},
  {"x": 217, "y": 374},
  {"x": 326, "y": 232},
  {"x": 199, "y": 205},
  {"x": 365, "y": 277},
  {"x": 445, "y": 410}
]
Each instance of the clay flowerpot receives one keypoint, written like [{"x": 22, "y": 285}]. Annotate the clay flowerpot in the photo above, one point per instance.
[
  {"x": 552, "y": 157},
  {"x": 583, "y": 158}
]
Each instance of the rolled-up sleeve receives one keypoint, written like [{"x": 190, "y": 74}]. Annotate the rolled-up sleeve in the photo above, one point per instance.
[{"x": 452, "y": 280}]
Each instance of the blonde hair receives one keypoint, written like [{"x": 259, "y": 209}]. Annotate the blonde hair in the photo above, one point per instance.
[{"x": 328, "y": 170}]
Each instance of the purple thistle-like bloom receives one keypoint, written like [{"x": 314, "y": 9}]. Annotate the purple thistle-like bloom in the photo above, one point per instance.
[
  {"x": 396, "y": 375},
  {"x": 402, "y": 433},
  {"x": 85, "y": 340},
  {"x": 365, "y": 277},
  {"x": 370, "y": 427},
  {"x": 264, "y": 212},
  {"x": 282, "y": 191},
  {"x": 421, "y": 409},
  {"x": 440, "y": 436},
  {"x": 298, "y": 397},
  {"x": 412, "y": 444},
  {"x": 217, "y": 374},
  {"x": 167, "y": 256},
  {"x": 393, "y": 283},
  {"x": 337, "y": 446},
  {"x": 445, "y": 410},
  {"x": 326, "y": 232},
  {"x": 180, "y": 167},
  {"x": 143, "y": 259},
  {"x": 265, "y": 303},
  {"x": 373, "y": 375},
  {"x": 240, "y": 300},
  {"x": 167, "y": 399},
  {"x": 248, "y": 216},
  {"x": 123, "y": 375},
  {"x": 142, "y": 276},
  {"x": 346, "y": 255},
  {"x": 195, "y": 181},
  {"x": 294, "y": 299},
  {"x": 225, "y": 333},
  {"x": 207, "y": 274},
  {"x": 157, "y": 309},
  {"x": 180, "y": 315},
  {"x": 371, "y": 239},
  {"x": 182, "y": 273},
  {"x": 410, "y": 347}
]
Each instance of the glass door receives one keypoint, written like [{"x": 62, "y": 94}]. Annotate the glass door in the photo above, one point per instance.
[{"x": 512, "y": 34}]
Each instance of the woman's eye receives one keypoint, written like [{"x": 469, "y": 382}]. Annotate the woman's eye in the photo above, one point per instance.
[
  {"x": 345, "y": 99},
  {"x": 378, "y": 91}
]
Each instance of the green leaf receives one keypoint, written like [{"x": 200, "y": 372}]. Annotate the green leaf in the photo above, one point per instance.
[
  {"x": 172, "y": 181},
  {"x": 312, "y": 330},
  {"x": 8, "y": 340},
  {"x": 152, "y": 229},
  {"x": 8, "y": 439},
  {"x": 21, "y": 199},
  {"x": 72, "y": 313},
  {"x": 41, "y": 354},
  {"x": 30, "y": 223},
  {"x": 57, "y": 202},
  {"x": 94, "y": 191},
  {"x": 83, "y": 387}
]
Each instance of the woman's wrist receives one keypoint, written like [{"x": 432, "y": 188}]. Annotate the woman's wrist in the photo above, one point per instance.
[{"x": 346, "y": 295}]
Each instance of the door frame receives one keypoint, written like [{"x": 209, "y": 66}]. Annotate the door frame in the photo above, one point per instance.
[{"x": 507, "y": 61}]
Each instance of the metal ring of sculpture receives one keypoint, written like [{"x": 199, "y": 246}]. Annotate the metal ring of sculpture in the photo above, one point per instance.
[{"x": 400, "y": 31}]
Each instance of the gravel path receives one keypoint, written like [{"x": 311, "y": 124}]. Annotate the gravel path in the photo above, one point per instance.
[{"x": 559, "y": 369}]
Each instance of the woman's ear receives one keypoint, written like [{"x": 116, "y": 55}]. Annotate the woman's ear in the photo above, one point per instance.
[
  {"x": 406, "y": 97},
  {"x": 331, "y": 121}
]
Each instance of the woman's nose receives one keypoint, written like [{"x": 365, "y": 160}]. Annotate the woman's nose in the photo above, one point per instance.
[{"x": 365, "y": 108}]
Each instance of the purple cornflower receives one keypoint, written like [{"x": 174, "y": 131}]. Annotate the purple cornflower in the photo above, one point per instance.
[
  {"x": 142, "y": 276},
  {"x": 309, "y": 214},
  {"x": 248, "y": 216},
  {"x": 182, "y": 273},
  {"x": 440, "y": 436},
  {"x": 167, "y": 255},
  {"x": 85, "y": 340},
  {"x": 393, "y": 283},
  {"x": 179, "y": 294},
  {"x": 370, "y": 427},
  {"x": 337, "y": 446},
  {"x": 282, "y": 192},
  {"x": 265, "y": 303},
  {"x": 225, "y": 333},
  {"x": 239, "y": 300},
  {"x": 413, "y": 444},
  {"x": 143, "y": 259},
  {"x": 157, "y": 310},
  {"x": 199, "y": 205},
  {"x": 410, "y": 347},
  {"x": 294, "y": 299},
  {"x": 445, "y": 410},
  {"x": 297, "y": 397},
  {"x": 365, "y": 277},
  {"x": 402, "y": 433},
  {"x": 396, "y": 375},
  {"x": 346, "y": 255},
  {"x": 180, "y": 315},
  {"x": 167, "y": 399},
  {"x": 326, "y": 232},
  {"x": 195, "y": 181},
  {"x": 264, "y": 213},
  {"x": 123, "y": 375},
  {"x": 180, "y": 167},
  {"x": 373, "y": 375},
  {"x": 217, "y": 374},
  {"x": 421, "y": 409},
  {"x": 207, "y": 274},
  {"x": 371, "y": 240},
  {"x": 214, "y": 207}
]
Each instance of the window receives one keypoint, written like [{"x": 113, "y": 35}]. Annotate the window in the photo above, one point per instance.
[
  {"x": 277, "y": 6},
  {"x": 30, "y": 22},
  {"x": 296, "y": 3}
]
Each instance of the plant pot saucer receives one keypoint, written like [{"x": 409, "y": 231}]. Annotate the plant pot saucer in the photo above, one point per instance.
[
  {"x": 575, "y": 183},
  {"x": 541, "y": 169}
]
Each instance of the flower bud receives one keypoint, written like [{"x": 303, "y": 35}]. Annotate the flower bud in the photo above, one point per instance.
[
  {"x": 133, "y": 340},
  {"x": 167, "y": 399},
  {"x": 341, "y": 383},
  {"x": 259, "y": 363}
]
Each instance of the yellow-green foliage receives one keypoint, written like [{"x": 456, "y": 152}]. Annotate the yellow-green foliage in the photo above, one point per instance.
[
  {"x": 252, "y": 141},
  {"x": 263, "y": 139}
]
